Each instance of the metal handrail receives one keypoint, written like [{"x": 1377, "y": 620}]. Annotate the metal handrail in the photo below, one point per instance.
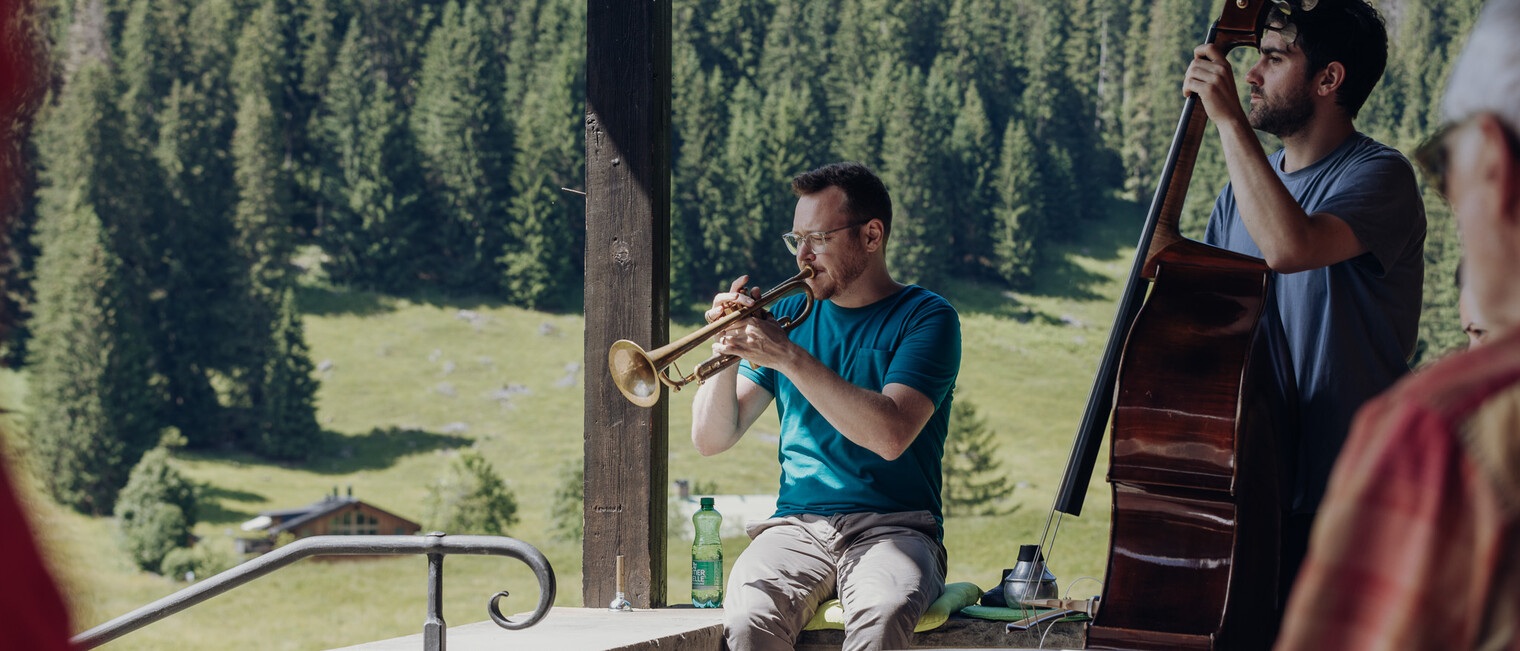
[{"x": 436, "y": 545}]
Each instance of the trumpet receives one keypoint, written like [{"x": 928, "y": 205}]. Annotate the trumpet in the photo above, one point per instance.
[{"x": 638, "y": 374}]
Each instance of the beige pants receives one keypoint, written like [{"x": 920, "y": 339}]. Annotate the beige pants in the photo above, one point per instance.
[{"x": 885, "y": 568}]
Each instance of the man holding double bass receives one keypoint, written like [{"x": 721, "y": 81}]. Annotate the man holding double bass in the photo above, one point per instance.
[{"x": 1336, "y": 215}]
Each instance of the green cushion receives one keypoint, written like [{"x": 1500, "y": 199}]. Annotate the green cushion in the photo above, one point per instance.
[
  {"x": 830, "y": 614},
  {"x": 1017, "y": 614},
  {"x": 1001, "y": 614}
]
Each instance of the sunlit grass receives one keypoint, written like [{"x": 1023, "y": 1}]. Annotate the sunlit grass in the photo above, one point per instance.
[{"x": 413, "y": 380}]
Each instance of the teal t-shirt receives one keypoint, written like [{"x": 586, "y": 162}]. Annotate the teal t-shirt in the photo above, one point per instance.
[{"x": 913, "y": 338}]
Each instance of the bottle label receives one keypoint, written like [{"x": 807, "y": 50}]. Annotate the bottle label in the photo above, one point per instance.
[{"x": 707, "y": 575}]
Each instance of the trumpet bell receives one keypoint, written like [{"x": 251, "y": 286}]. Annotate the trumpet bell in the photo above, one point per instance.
[{"x": 634, "y": 373}]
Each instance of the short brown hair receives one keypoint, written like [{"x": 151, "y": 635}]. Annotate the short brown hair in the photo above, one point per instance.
[{"x": 865, "y": 196}]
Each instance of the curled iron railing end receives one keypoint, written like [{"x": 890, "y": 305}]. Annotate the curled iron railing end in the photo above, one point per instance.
[{"x": 501, "y": 620}]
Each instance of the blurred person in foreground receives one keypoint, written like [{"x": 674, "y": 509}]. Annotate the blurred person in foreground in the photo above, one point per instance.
[
  {"x": 1476, "y": 331},
  {"x": 32, "y": 611},
  {"x": 1415, "y": 546}
]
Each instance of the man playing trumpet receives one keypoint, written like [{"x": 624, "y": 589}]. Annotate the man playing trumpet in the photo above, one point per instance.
[{"x": 863, "y": 389}]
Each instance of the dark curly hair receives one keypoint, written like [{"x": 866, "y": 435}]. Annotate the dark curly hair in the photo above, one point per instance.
[{"x": 1351, "y": 32}]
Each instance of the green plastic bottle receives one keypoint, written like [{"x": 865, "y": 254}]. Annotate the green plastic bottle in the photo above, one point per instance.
[{"x": 707, "y": 557}]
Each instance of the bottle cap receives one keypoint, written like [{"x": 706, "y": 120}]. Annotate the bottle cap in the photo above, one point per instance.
[{"x": 707, "y": 502}]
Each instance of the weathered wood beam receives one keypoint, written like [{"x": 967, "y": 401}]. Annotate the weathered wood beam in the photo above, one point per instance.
[{"x": 627, "y": 292}]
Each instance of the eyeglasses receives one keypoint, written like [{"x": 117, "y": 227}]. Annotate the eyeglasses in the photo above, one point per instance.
[
  {"x": 818, "y": 241},
  {"x": 1434, "y": 155}
]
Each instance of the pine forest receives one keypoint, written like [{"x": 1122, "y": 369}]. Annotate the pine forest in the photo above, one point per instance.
[{"x": 181, "y": 166}]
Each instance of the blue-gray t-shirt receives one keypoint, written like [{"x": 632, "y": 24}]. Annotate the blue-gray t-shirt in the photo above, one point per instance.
[
  {"x": 913, "y": 338},
  {"x": 1350, "y": 326}
]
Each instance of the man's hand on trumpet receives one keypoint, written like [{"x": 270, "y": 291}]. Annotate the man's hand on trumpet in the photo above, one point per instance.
[
  {"x": 734, "y": 299},
  {"x": 759, "y": 338}
]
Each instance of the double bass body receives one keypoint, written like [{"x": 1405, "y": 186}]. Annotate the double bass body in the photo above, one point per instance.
[{"x": 1200, "y": 410}]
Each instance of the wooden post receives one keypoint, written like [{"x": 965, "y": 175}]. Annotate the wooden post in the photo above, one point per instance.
[{"x": 627, "y": 292}]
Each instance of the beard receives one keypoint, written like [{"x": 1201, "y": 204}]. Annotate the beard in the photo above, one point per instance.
[
  {"x": 839, "y": 275},
  {"x": 1282, "y": 115}
]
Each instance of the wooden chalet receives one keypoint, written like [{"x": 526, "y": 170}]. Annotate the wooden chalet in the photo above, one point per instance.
[{"x": 333, "y": 515}]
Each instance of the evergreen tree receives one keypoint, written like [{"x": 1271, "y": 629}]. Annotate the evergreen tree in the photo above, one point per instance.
[
  {"x": 521, "y": 41},
  {"x": 96, "y": 404},
  {"x": 858, "y": 137},
  {"x": 319, "y": 39},
  {"x": 971, "y": 163},
  {"x": 278, "y": 393},
  {"x": 262, "y": 218},
  {"x": 396, "y": 34},
  {"x": 546, "y": 242},
  {"x": 1021, "y": 212},
  {"x": 797, "y": 32},
  {"x": 1414, "y": 66},
  {"x": 1170, "y": 30},
  {"x": 1111, "y": 51},
  {"x": 541, "y": 31},
  {"x": 1063, "y": 127},
  {"x": 919, "y": 238},
  {"x": 920, "y": 23},
  {"x": 698, "y": 186},
  {"x": 735, "y": 229},
  {"x": 197, "y": 324},
  {"x": 971, "y": 466},
  {"x": 791, "y": 120},
  {"x": 473, "y": 499},
  {"x": 974, "y": 52},
  {"x": 260, "y": 243},
  {"x": 872, "y": 34},
  {"x": 157, "y": 510},
  {"x": 143, "y": 71},
  {"x": 737, "y": 30},
  {"x": 311, "y": 58},
  {"x": 372, "y": 233},
  {"x": 287, "y": 428},
  {"x": 465, "y": 144}
]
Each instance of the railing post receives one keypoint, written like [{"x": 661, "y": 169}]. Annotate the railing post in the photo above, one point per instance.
[{"x": 434, "y": 631}]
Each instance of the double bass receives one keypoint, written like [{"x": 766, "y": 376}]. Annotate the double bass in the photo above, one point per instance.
[{"x": 1204, "y": 419}]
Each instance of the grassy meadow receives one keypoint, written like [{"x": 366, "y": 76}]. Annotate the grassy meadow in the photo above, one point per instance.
[{"x": 410, "y": 381}]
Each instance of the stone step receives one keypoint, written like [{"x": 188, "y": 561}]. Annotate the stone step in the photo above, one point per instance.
[{"x": 597, "y": 629}]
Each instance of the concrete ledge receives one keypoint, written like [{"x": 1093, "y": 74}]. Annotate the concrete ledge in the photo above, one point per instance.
[
  {"x": 967, "y": 633},
  {"x": 597, "y": 629},
  {"x": 583, "y": 629}
]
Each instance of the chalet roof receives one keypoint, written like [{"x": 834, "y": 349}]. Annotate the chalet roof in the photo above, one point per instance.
[{"x": 318, "y": 509}]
